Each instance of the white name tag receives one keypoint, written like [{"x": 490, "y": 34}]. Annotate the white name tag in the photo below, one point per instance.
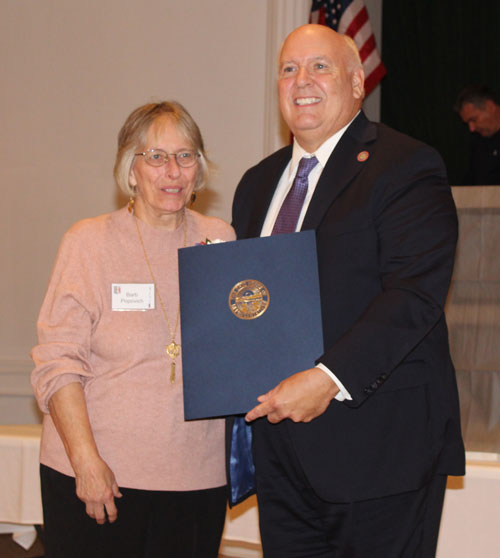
[{"x": 132, "y": 296}]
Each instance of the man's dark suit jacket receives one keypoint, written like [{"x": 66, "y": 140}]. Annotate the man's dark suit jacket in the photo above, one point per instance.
[{"x": 386, "y": 231}]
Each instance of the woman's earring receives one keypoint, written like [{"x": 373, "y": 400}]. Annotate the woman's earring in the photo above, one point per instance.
[
  {"x": 193, "y": 198},
  {"x": 131, "y": 203}
]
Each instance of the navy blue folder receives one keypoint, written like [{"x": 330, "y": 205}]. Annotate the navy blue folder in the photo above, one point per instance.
[{"x": 230, "y": 353}]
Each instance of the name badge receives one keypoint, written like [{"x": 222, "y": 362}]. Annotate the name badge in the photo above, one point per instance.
[{"x": 132, "y": 296}]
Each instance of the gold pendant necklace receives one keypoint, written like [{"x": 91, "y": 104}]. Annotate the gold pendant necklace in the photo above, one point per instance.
[{"x": 173, "y": 349}]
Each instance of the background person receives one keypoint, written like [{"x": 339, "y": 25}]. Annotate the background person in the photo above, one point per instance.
[
  {"x": 110, "y": 381},
  {"x": 479, "y": 108},
  {"x": 352, "y": 455}
]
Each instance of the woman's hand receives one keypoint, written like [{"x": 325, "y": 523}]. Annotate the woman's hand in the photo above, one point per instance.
[
  {"x": 96, "y": 487},
  {"x": 95, "y": 482}
]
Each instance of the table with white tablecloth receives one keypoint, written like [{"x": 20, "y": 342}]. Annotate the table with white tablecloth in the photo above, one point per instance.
[{"x": 20, "y": 499}]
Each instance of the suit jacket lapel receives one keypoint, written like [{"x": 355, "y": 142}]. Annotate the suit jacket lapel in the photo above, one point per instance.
[{"x": 343, "y": 165}]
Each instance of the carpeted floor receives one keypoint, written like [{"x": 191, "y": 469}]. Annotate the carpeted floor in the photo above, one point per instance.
[{"x": 9, "y": 549}]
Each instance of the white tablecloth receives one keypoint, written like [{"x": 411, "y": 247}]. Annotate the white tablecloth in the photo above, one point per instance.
[{"x": 20, "y": 499}]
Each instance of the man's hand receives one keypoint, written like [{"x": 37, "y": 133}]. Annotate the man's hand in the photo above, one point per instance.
[
  {"x": 301, "y": 398},
  {"x": 96, "y": 487}
]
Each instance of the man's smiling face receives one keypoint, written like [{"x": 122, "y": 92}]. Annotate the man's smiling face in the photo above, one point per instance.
[{"x": 319, "y": 91}]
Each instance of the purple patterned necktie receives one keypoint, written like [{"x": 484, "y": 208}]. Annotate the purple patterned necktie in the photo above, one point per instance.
[{"x": 286, "y": 222}]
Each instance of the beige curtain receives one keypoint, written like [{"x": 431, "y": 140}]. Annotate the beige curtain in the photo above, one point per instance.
[{"x": 473, "y": 314}]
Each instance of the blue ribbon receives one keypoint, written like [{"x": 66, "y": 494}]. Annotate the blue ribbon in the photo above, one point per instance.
[{"x": 241, "y": 466}]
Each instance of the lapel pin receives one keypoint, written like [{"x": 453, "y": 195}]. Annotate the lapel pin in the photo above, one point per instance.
[{"x": 363, "y": 156}]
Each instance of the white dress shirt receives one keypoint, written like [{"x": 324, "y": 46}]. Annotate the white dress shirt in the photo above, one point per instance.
[{"x": 322, "y": 154}]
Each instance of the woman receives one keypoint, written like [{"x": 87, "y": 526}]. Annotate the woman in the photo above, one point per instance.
[{"x": 108, "y": 370}]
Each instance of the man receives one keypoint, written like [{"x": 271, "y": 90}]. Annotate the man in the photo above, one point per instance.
[
  {"x": 479, "y": 108},
  {"x": 351, "y": 455}
]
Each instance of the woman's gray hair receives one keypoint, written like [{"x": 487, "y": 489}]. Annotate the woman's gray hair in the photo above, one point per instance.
[{"x": 132, "y": 138}]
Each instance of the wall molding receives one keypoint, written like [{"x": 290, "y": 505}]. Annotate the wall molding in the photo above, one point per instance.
[
  {"x": 15, "y": 377},
  {"x": 282, "y": 17}
]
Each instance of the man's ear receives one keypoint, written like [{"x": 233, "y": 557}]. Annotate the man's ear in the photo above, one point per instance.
[
  {"x": 358, "y": 83},
  {"x": 489, "y": 106}
]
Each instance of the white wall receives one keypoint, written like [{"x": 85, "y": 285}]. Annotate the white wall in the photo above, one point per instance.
[
  {"x": 371, "y": 104},
  {"x": 71, "y": 73}
]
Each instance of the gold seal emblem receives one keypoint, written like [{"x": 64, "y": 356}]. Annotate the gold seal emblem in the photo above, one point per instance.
[{"x": 248, "y": 299}]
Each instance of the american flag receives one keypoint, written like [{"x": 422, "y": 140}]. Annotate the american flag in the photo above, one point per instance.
[{"x": 350, "y": 17}]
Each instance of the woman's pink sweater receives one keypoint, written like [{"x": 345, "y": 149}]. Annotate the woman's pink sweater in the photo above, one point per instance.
[{"x": 119, "y": 357}]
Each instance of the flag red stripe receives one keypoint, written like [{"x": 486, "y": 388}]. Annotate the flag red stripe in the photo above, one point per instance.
[
  {"x": 375, "y": 76},
  {"x": 321, "y": 17},
  {"x": 358, "y": 22},
  {"x": 367, "y": 48}
]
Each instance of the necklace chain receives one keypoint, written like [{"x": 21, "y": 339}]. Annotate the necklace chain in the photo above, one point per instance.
[{"x": 172, "y": 349}]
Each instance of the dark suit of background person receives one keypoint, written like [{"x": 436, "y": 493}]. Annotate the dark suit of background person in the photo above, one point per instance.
[{"x": 386, "y": 231}]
